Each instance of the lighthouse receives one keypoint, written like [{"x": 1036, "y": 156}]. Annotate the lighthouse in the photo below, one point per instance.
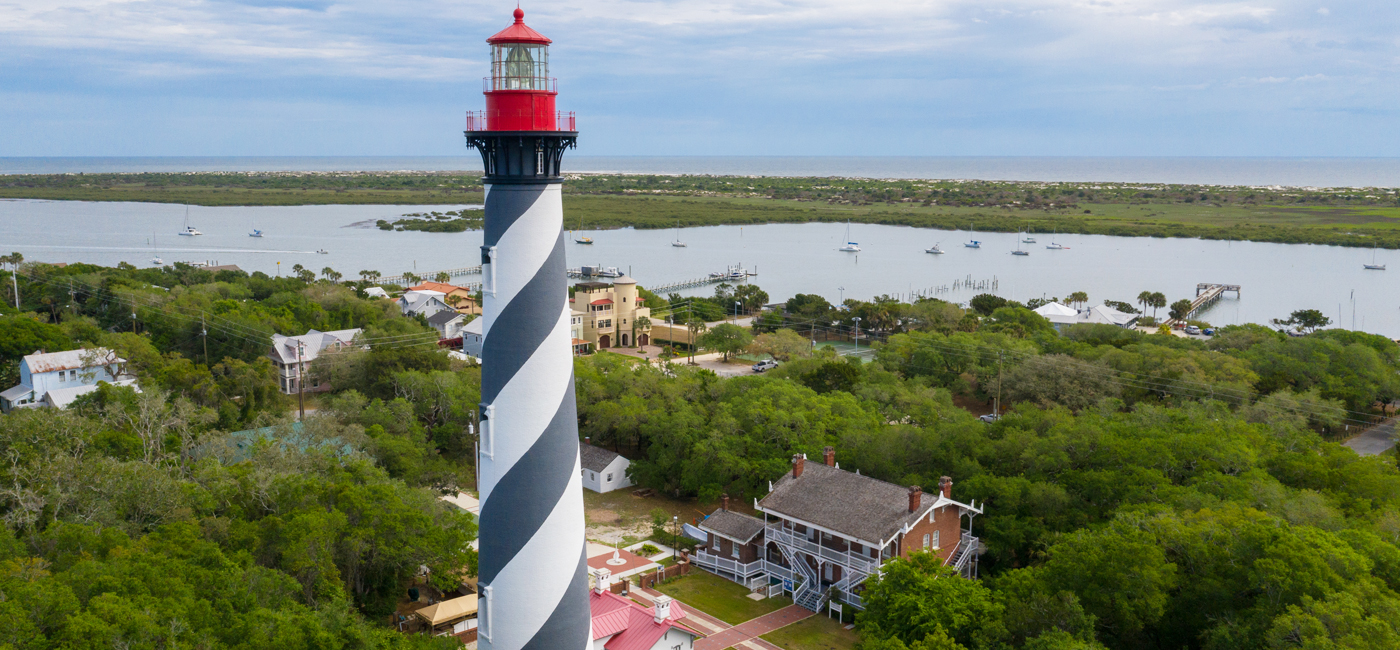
[{"x": 532, "y": 564}]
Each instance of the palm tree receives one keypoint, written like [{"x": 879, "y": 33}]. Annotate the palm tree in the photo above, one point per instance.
[
  {"x": 327, "y": 272},
  {"x": 639, "y": 323},
  {"x": 1079, "y": 298},
  {"x": 1158, "y": 300},
  {"x": 1144, "y": 298},
  {"x": 454, "y": 300},
  {"x": 442, "y": 277}
]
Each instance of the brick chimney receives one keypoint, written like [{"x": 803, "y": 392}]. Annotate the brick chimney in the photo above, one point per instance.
[
  {"x": 602, "y": 579},
  {"x": 797, "y": 462},
  {"x": 724, "y": 502},
  {"x": 945, "y": 485},
  {"x": 915, "y": 498},
  {"x": 829, "y": 456},
  {"x": 662, "y": 607}
]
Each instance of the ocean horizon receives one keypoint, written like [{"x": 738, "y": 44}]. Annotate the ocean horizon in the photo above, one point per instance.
[{"x": 1247, "y": 171}]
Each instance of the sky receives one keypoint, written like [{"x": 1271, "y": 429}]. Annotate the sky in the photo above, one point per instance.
[{"x": 691, "y": 77}]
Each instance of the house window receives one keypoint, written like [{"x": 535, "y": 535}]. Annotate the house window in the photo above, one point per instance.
[
  {"x": 734, "y": 550},
  {"x": 925, "y": 540},
  {"x": 935, "y": 539},
  {"x": 610, "y": 478},
  {"x": 592, "y": 476}
]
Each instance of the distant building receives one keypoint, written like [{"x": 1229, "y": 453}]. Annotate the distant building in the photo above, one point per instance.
[
  {"x": 427, "y": 303},
  {"x": 376, "y": 292},
  {"x": 825, "y": 530},
  {"x": 608, "y": 314},
  {"x": 55, "y": 379},
  {"x": 472, "y": 338},
  {"x": 465, "y": 303},
  {"x": 603, "y": 470},
  {"x": 622, "y": 624},
  {"x": 292, "y": 353},
  {"x": 1062, "y": 316},
  {"x": 447, "y": 323}
]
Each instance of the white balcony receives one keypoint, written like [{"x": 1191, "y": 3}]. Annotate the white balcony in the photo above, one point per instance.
[
  {"x": 857, "y": 561},
  {"x": 728, "y": 565}
]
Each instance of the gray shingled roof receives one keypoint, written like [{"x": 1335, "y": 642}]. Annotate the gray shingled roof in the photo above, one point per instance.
[
  {"x": 595, "y": 459},
  {"x": 443, "y": 317},
  {"x": 850, "y": 504},
  {"x": 733, "y": 525}
]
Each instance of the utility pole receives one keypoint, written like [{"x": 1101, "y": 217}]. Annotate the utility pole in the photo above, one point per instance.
[
  {"x": 133, "y": 320},
  {"x": 301, "y": 383},
  {"x": 204, "y": 333},
  {"x": 996, "y": 406}
]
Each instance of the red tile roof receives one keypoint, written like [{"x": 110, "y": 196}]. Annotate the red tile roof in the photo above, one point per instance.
[
  {"x": 604, "y": 301},
  {"x": 632, "y": 626}
]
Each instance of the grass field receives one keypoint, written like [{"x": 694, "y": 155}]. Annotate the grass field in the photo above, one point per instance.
[
  {"x": 720, "y": 598},
  {"x": 1339, "y": 216},
  {"x": 814, "y": 633}
]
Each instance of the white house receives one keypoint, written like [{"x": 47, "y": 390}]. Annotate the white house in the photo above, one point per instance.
[
  {"x": 423, "y": 302},
  {"x": 376, "y": 292},
  {"x": 57, "y": 378},
  {"x": 287, "y": 351},
  {"x": 1060, "y": 315},
  {"x": 472, "y": 338},
  {"x": 447, "y": 323},
  {"x": 603, "y": 470}
]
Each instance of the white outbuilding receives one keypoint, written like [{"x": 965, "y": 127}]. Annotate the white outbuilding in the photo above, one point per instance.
[{"x": 603, "y": 470}]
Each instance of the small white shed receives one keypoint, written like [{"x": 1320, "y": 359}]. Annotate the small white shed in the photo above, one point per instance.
[{"x": 603, "y": 470}]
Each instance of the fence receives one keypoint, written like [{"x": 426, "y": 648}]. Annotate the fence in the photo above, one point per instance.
[{"x": 650, "y": 580}]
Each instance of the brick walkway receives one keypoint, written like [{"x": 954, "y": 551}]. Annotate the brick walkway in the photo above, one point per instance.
[{"x": 740, "y": 635}]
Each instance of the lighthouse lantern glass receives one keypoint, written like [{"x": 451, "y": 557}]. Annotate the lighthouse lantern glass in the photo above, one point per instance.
[{"x": 520, "y": 66}]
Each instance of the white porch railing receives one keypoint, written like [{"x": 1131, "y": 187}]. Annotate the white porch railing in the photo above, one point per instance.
[
  {"x": 859, "y": 562},
  {"x": 728, "y": 565}
]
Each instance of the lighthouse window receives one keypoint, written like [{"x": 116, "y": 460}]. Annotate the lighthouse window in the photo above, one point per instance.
[{"x": 520, "y": 66}]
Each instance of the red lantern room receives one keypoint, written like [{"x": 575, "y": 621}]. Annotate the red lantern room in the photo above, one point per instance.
[{"x": 520, "y": 93}]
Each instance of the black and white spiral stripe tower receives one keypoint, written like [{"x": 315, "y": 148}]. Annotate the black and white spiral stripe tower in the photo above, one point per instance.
[{"x": 533, "y": 568}]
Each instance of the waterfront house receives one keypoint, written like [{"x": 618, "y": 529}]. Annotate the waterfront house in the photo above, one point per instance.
[
  {"x": 55, "y": 379},
  {"x": 827, "y": 530},
  {"x": 465, "y": 303},
  {"x": 426, "y": 303},
  {"x": 291, "y": 354},
  {"x": 447, "y": 323},
  {"x": 603, "y": 470},
  {"x": 608, "y": 314},
  {"x": 622, "y": 624},
  {"x": 1062, "y": 316},
  {"x": 472, "y": 338},
  {"x": 376, "y": 292}
]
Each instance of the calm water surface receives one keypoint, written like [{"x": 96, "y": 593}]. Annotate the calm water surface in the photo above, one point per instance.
[{"x": 789, "y": 258}]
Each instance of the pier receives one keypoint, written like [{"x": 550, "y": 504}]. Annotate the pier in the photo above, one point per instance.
[
  {"x": 688, "y": 284},
  {"x": 1206, "y": 294},
  {"x": 428, "y": 276}
]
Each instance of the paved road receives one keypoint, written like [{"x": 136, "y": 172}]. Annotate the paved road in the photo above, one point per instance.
[{"x": 1375, "y": 441}]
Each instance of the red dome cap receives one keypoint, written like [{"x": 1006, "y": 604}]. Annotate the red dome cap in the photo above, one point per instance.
[{"x": 519, "y": 33}]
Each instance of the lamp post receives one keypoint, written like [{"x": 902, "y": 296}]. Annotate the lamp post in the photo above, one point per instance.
[
  {"x": 675, "y": 535},
  {"x": 737, "y": 304},
  {"x": 857, "y": 334}
]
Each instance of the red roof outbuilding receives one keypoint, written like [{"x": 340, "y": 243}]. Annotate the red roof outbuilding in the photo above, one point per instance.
[{"x": 631, "y": 626}]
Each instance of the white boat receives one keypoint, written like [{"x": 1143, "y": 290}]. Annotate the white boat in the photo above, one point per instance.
[
  {"x": 189, "y": 230},
  {"x": 1028, "y": 240},
  {"x": 850, "y": 247},
  {"x": 1373, "y": 266},
  {"x": 1018, "y": 250},
  {"x": 735, "y": 272},
  {"x": 155, "y": 257},
  {"x": 935, "y": 250},
  {"x": 678, "y": 243},
  {"x": 973, "y": 244},
  {"x": 323, "y": 252},
  {"x": 1055, "y": 247},
  {"x": 255, "y": 233},
  {"x": 581, "y": 239}
]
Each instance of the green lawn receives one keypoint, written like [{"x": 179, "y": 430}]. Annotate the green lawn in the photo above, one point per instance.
[
  {"x": 720, "y": 598},
  {"x": 815, "y": 633}
]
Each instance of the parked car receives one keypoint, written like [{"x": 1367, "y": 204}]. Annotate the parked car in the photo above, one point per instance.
[
  {"x": 1193, "y": 330},
  {"x": 766, "y": 364},
  {"x": 1209, "y": 331},
  {"x": 989, "y": 418}
]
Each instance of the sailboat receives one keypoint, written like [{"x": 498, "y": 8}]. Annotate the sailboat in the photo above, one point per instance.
[
  {"x": 1373, "y": 266},
  {"x": 1018, "y": 250},
  {"x": 1053, "y": 246},
  {"x": 973, "y": 243},
  {"x": 189, "y": 230},
  {"x": 678, "y": 243},
  {"x": 1028, "y": 239},
  {"x": 935, "y": 250},
  {"x": 581, "y": 239},
  {"x": 850, "y": 247},
  {"x": 155, "y": 257}
]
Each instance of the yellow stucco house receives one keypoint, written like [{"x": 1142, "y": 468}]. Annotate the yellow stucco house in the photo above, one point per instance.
[{"x": 609, "y": 313}]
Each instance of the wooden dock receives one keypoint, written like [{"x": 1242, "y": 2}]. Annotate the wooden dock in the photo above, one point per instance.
[
  {"x": 427, "y": 276},
  {"x": 1206, "y": 295},
  {"x": 664, "y": 289}
]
